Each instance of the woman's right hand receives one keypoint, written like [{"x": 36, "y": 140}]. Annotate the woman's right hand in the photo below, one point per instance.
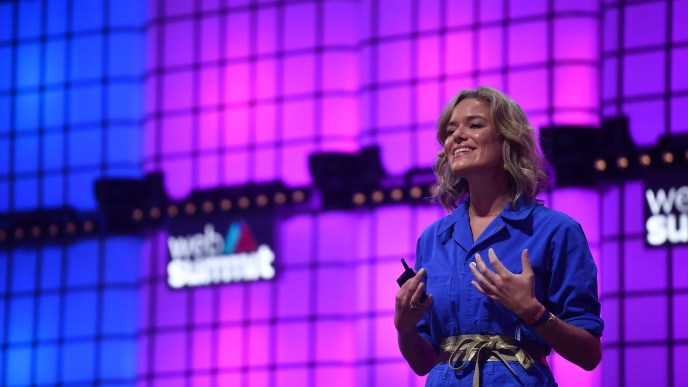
[{"x": 406, "y": 316}]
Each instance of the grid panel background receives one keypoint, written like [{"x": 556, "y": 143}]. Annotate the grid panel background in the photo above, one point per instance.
[
  {"x": 232, "y": 92},
  {"x": 245, "y": 92},
  {"x": 325, "y": 317},
  {"x": 642, "y": 80},
  {"x": 70, "y": 101},
  {"x": 69, "y": 317},
  {"x": 279, "y": 73},
  {"x": 438, "y": 48},
  {"x": 70, "y": 111}
]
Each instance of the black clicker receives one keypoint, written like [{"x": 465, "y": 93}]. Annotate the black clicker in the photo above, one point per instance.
[{"x": 407, "y": 275}]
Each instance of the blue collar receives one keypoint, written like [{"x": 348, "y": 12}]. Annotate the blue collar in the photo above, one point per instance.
[{"x": 519, "y": 212}]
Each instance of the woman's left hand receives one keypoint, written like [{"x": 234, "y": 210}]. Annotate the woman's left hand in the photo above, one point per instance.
[{"x": 515, "y": 291}]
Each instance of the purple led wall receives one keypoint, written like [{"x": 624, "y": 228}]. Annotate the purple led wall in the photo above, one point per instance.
[
  {"x": 324, "y": 320},
  {"x": 70, "y": 113},
  {"x": 643, "y": 289},
  {"x": 416, "y": 55},
  {"x": 244, "y": 92},
  {"x": 236, "y": 92}
]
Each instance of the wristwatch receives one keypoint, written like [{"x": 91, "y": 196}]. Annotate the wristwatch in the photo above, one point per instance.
[{"x": 550, "y": 321}]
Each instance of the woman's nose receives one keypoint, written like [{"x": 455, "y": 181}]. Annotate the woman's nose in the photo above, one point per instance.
[{"x": 458, "y": 135}]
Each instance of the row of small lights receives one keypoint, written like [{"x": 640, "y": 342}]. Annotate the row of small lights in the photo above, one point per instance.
[
  {"x": 173, "y": 210},
  {"x": 644, "y": 159},
  {"x": 395, "y": 195},
  {"x": 280, "y": 198},
  {"x": 53, "y": 230},
  {"x": 224, "y": 205}
]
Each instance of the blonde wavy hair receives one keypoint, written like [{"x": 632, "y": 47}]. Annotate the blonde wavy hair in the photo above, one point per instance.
[{"x": 523, "y": 160}]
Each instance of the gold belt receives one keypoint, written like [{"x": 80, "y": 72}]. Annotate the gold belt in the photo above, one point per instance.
[{"x": 481, "y": 348}]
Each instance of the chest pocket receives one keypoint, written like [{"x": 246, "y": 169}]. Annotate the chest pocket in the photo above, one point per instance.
[{"x": 445, "y": 306}]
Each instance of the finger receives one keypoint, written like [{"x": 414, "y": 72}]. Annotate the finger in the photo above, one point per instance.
[
  {"x": 487, "y": 286},
  {"x": 525, "y": 262},
  {"x": 411, "y": 285},
  {"x": 481, "y": 290},
  {"x": 475, "y": 285},
  {"x": 496, "y": 263},
  {"x": 415, "y": 297},
  {"x": 424, "y": 306},
  {"x": 484, "y": 270},
  {"x": 416, "y": 280}
]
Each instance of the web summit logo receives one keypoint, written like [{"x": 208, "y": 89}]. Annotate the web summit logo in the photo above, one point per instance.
[
  {"x": 668, "y": 218},
  {"x": 208, "y": 258}
]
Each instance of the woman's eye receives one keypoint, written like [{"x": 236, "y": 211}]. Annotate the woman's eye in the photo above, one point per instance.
[{"x": 476, "y": 126}]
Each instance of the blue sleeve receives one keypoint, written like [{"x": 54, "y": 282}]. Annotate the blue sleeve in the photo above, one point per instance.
[
  {"x": 423, "y": 326},
  {"x": 572, "y": 290}
]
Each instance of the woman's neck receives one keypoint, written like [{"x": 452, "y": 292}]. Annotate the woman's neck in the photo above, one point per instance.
[{"x": 488, "y": 199}]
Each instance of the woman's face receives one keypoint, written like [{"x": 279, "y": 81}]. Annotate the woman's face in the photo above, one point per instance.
[{"x": 473, "y": 144}]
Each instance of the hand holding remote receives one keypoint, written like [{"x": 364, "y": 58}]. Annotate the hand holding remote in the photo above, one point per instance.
[
  {"x": 411, "y": 300},
  {"x": 407, "y": 275}
]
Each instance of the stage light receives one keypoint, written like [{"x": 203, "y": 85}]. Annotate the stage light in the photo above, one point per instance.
[
  {"x": 53, "y": 229},
  {"x": 36, "y": 231},
  {"x": 71, "y": 228},
  {"x": 154, "y": 213},
  {"x": 137, "y": 215},
  {"x": 416, "y": 192},
  {"x": 359, "y": 199},
  {"x": 19, "y": 233},
  {"x": 3, "y": 235},
  {"x": 208, "y": 206},
  {"x": 280, "y": 198},
  {"x": 645, "y": 160},
  {"x": 88, "y": 226},
  {"x": 172, "y": 211},
  {"x": 600, "y": 165},
  {"x": 244, "y": 202},
  {"x": 397, "y": 194},
  {"x": 378, "y": 196},
  {"x": 262, "y": 200},
  {"x": 190, "y": 208},
  {"x": 298, "y": 196},
  {"x": 622, "y": 162},
  {"x": 668, "y": 157},
  {"x": 226, "y": 204}
]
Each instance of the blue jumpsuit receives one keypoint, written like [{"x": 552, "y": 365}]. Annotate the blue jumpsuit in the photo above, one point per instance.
[{"x": 565, "y": 283}]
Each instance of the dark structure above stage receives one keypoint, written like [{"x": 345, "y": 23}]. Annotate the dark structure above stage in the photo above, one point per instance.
[{"x": 578, "y": 157}]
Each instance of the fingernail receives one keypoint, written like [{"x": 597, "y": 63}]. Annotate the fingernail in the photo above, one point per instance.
[{"x": 472, "y": 264}]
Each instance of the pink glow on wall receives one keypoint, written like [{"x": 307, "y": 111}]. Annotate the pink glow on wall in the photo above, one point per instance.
[
  {"x": 243, "y": 91},
  {"x": 293, "y": 85},
  {"x": 569, "y": 202},
  {"x": 267, "y": 100},
  {"x": 576, "y": 101}
]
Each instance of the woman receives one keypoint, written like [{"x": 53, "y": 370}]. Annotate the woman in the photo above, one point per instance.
[{"x": 507, "y": 279}]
